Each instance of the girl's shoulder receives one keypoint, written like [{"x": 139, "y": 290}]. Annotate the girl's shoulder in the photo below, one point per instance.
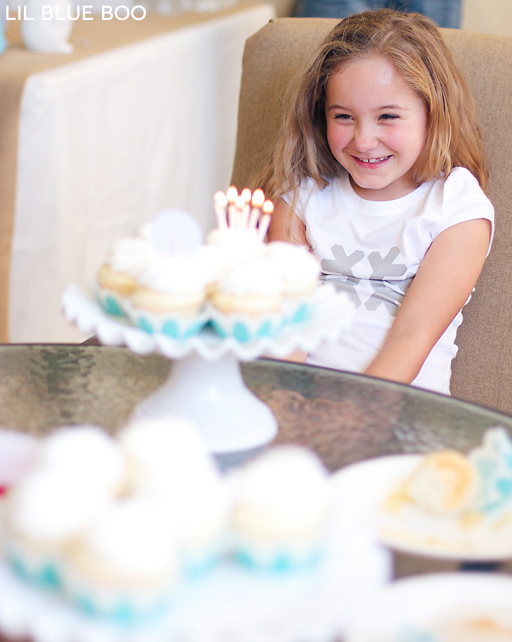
[{"x": 461, "y": 182}]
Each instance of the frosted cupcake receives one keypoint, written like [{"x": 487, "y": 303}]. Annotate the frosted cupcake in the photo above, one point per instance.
[
  {"x": 170, "y": 461},
  {"x": 43, "y": 514},
  {"x": 170, "y": 297},
  {"x": 299, "y": 270},
  {"x": 117, "y": 277},
  {"x": 282, "y": 503},
  {"x": 123, "y": 566},
  {"x": 77, "y": 473},
  {"x": 247, "y": 302}
]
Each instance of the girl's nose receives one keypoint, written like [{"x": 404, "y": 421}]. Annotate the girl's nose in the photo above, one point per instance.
[{"x": 365, "y": 138}]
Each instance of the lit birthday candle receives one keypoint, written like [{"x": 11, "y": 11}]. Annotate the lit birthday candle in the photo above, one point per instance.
[
  {"x": 239, "y": 208},
  {"x": 232, "y": 194},
  {"x": 258, "y": 198},
  {"x": 246, "y": 210},
  {"x": 268, "y": 208},
  {"x": 220, "y": 203}
]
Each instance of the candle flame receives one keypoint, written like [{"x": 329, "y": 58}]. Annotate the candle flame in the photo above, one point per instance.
[
  {"x": 221, "y": 199},
  {"x": 258, "y": 198},
  {"x": 268, "y": 207},
  {"x": 232, "y": 193}
]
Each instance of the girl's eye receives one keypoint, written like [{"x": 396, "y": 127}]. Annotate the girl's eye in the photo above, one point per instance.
[
  {"x": 343, "y": 117},
  {"x": 389, "y": 117}
]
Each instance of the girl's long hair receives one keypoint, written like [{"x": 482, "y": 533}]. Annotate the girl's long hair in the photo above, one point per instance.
[{"x": 416, "y": 48}]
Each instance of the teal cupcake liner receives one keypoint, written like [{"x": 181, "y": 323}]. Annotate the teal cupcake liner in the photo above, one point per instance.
[
  {"x": 112, "y": 303},
  {"x": 174, "y": 326},
  {"x": 244, "y": 327},
  {"x": 37, "y": 570},
  {"x": 279, "y": 560},
  {"x": 121, "y": 609}
]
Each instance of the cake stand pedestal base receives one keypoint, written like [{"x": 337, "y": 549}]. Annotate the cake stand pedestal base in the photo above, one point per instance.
[{"x": 213, "y": 395}]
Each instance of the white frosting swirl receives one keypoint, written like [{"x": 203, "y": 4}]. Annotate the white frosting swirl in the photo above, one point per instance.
[
  {"x": 213, "y": 262},
  {"x": 130, "y": 256},
  {"x": 164, "y": 453},
  {"x": 84, "y": 455},
  {"x": 237, "y": 243},
  {"x": 47, "y": 506},
  {"x": 288, "y": 485},
  {"x": 294, "y": 262},
  {"x": 258, "y": 276},
  {"x": 135, "y": 536},
  {"x": 173, "y": 275}
]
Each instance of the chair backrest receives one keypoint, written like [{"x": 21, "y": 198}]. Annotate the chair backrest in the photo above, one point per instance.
[{"x": 482, "y": 370}]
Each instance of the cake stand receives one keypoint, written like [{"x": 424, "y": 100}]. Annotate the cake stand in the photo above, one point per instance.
[{"x": 205, "y": 384}]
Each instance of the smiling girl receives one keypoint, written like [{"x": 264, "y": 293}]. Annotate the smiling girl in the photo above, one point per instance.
[{"x": 379, "y": 168}]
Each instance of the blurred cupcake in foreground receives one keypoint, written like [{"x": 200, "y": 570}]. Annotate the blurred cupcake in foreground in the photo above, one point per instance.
[
  {"x": 169, "y": 461},
  {"x": 78, "y": 473},
  {"x": 282, "y": 502},
  {"x": 43, "y": 514},
  {"x": 124, "y": 564}
]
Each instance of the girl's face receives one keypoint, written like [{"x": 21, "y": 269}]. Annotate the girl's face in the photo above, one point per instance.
[{"x": 376, "y": 127}]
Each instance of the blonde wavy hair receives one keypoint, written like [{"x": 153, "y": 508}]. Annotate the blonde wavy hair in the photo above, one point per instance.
[{"x": 414, "y": 45}]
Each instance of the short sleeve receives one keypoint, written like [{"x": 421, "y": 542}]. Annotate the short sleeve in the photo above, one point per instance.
[
  {"x": 306, "y": 191},
  {"x": 464, "y": 200}
]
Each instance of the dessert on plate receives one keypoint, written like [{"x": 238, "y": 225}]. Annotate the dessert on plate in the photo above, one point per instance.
[{"x": 455, "y": 504}]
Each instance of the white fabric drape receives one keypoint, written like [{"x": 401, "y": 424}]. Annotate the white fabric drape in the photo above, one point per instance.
[{"x": 107, "y": 143}]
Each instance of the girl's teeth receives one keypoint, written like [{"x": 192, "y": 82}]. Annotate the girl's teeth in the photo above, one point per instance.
[{"x": 373, "y": 160}]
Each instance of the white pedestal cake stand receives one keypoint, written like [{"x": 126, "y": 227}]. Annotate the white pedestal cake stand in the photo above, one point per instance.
[{"x": 205, "y": 384}]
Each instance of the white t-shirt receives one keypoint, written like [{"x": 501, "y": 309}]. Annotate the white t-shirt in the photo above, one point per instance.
[{"x": 372, "y": 250}]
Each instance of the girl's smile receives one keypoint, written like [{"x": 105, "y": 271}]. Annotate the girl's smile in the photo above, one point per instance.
[{"x": 376, "y": 127}]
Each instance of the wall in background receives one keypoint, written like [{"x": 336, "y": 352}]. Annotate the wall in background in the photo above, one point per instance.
[
  {"x": 488, "y": 16},
  {"x": 485, "y": 16}
]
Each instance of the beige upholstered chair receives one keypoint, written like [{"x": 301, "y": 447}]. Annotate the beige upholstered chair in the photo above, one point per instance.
[{"x": 482, "y": 371}]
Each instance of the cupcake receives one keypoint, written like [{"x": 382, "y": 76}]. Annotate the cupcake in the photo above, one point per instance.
[
  {"x": 170, "y": 297},
  {"x": 247, "y": 301},
  {"x": 300, "y": 271},
  {"x": 281, "y": 506},
  {"x": 170, "y": 461},
  {"x": 123, "y": 566},
  {"x": 117, "y": 277},
  {"x": 444, "y": 483},
  {"x": 43, "y": 513},
  {"x": 77, "y": 473}
]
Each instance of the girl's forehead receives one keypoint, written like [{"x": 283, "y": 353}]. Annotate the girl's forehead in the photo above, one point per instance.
[{"x": 377, "y": 67}]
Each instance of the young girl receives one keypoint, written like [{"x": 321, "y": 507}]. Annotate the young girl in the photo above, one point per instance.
[{"x": 380, "y": 170}]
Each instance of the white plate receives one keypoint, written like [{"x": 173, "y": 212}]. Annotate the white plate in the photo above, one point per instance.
[
  {"x": 231, "y": 604},
  {"x": 413, "y": 609},
  {"x": 363, "y": 489}
]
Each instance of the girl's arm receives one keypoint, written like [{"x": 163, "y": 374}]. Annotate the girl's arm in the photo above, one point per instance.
[
  {"x": 444, "y": 281},
  {"x": 278, "y": 230}
]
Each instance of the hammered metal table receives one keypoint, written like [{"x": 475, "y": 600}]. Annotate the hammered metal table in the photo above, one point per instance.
[{"x": 344, "y": 417}]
